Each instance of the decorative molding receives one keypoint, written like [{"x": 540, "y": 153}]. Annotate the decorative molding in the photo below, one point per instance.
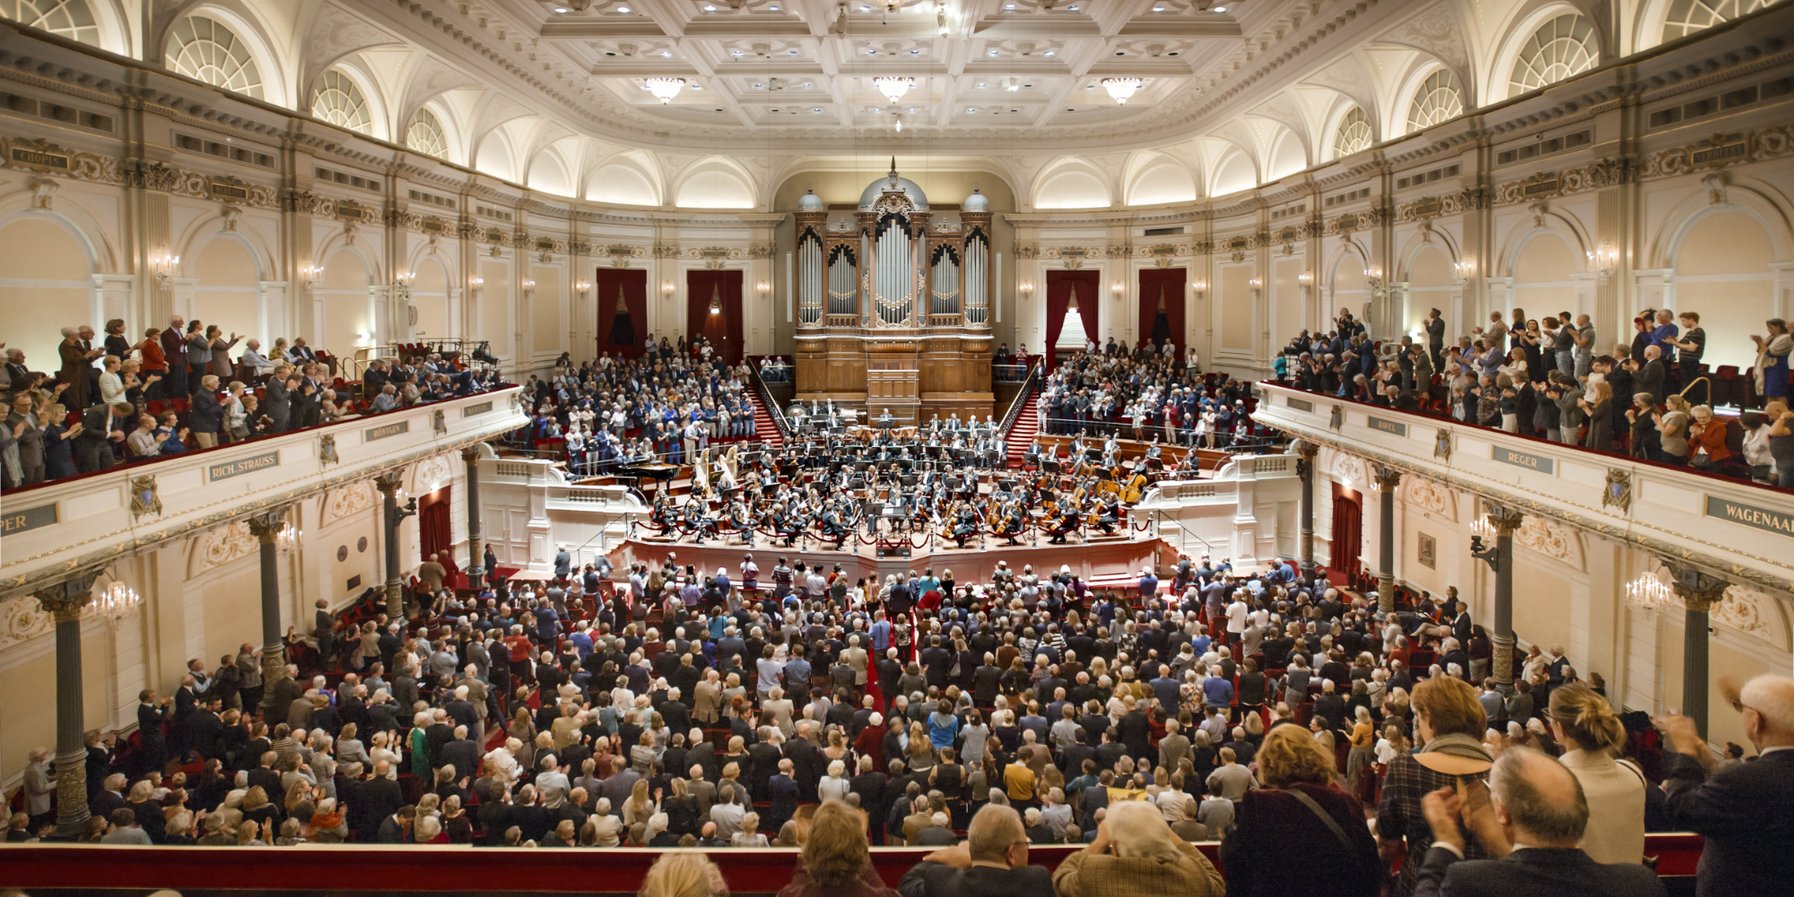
[
  {"x": 350, "y": 500},
  {"x": 1430, "y": 496},
  {"x": 327, "y": 450},
  {"x": 1442, "y": 444},
  {"x": 220, "y": 545},
  {"x": 23, "y": 618},
  {"x": 1549, "y": 538}
]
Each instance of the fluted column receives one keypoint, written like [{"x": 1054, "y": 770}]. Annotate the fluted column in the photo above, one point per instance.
[
  {"x": 1305, "y": 452},
  {"x": 1699, "y": 591},
  {"x": 266, "y": 528},
  {"x": 66, "y": 601},
  {"x": 471, "y": 456},
  {"x": 1387, "y": 479},
  {"x": 389, "y": 484},
  {"x": 1501, "y": 557}
]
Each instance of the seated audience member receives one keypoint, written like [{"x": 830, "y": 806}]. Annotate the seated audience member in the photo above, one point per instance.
[
  {"x": 835, "y": 860},
  {"x": 993, "y": 862},
  {"x": 1135, "y": 854}
]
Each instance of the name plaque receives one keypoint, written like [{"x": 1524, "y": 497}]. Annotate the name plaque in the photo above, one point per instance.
[
  {"x": 1778, "y": 522},
  {"x": 13, "y": 522},
  {"x": 1299, "y": 404},
  {"x": 1528, "y": 460},
  {"x": 1394, "y": 427},
  {"x": 382, "y": 432},
  {"x": 474, "y": 410},
  {"x": 228, "y": 469}
]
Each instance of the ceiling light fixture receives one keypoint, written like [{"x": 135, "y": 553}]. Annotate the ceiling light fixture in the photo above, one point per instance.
[
  {"x": 1121, "y": 89},
  {"x": 663, "y": 88},
  {"x": 624, "y": 10},
  {"x": 894, "y": 86},
  {"x": 1048, "y": 53},
  {"x": 1220, "y": 9}
]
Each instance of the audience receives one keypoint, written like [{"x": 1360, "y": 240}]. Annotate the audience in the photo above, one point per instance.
[
  {"x": 1649, "y": 399},
  {"x": 86, "y": 417}
]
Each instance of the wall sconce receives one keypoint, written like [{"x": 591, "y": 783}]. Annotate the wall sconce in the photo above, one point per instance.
[
  {"x": 1604, "y": 260},
  {"x": 1305, "y": 278},
  {"x": 476, "y": 282},
  {"x": 1026, "y": 288},
  {"x": 1118, "y": 288},
  {"x": 582, "y": 288},
  {"x": 1256, "y": 283},
  {"x": 401, "y": 285},
  {"x": 666, "y": 288},
  {"x": 1198, "y": 287},
  {"x": 163, "y": 266},
  {"x": 762, "y": 287},
  {"x": 1462, "y": 271},
  {"x": 529, "y": 287},
  {"x": 308, "y": 276}
]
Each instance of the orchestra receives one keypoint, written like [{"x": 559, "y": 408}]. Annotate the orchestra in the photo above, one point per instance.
[{"x": 887, "y": 483}]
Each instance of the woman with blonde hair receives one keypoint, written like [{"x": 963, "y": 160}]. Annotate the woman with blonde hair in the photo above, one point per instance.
[
  {"x": 1299, "y": 805},
  {"x": 1585, "y": 724},
  {"x": 1135, "y": 854},
  {"x": 835, "y": 861},
  {"x": 682, "y": 873},
  {"x": 639, "y": 806}
]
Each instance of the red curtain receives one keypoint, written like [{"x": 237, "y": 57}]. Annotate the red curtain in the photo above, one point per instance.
[
  {"x": 1348, "y": 534},
  {"x": 722, "y": 329},
  {"x": 1168, "y": 282},
  {"x": 622, "y": 335},
  {"x": 433, "y": 524},
  {"x": 1059, "y": 286}
]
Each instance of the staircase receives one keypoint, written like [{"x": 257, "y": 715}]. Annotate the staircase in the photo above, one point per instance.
[
  {"x": 1021, "y": 433},
  {"x": 765, "y": 429}
]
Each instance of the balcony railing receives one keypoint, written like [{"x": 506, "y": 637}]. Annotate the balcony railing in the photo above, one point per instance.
[
  {"x": 1738, "y": 529},
  {"x": 90, "y": 519}
]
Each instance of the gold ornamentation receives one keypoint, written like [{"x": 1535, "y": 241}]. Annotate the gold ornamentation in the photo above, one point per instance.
[
  {"x": 352, "y": 499},
  {"x": 1618, "y": 491},
  {"x": 327, "y": 449},
  {"x": 144, "y": 497},
  {"x": 1442, "y": 442}
]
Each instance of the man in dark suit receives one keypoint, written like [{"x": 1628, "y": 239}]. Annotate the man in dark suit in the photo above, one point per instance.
[
  {"x": 101, "y": 427},
  {"x": 174, "y": 348},
  {"x": 993, "y": 862},
  {"x": 1531, "y": 816},
  {"x": 1745, "y": 808}
]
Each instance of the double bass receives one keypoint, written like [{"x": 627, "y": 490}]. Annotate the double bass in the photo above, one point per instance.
[{"x": 1135, "y": 488}]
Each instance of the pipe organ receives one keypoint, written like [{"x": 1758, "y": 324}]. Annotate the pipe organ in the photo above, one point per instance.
[{"x": 894, "y": 303}]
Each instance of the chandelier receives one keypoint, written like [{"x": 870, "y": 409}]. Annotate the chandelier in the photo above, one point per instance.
[
  {"x": 663, "y": 88},
  {"x": 1122, "y": 89},
  {"x": 1649, "y": 592},
  {"x": 116, "y": 602},
  {"x": 893, "y": 86}
]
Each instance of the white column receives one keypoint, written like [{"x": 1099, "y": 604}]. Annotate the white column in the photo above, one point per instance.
[{"x": 272, "y": 316}]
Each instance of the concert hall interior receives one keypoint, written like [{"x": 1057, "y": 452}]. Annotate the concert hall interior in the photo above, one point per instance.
[{"x": 925, "y": 446}]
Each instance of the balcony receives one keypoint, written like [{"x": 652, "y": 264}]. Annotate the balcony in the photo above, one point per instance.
[
  {"x": 1737, "y": 529},
  {"x": 87, "y": 520}
]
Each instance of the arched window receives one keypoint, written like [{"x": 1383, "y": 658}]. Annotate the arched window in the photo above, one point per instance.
[
  {"x": 1354, "y": 134},
  {"x": 205, "y": 50},
  {"x": 72, "y": 19},
  {"x": 1685, "y": 17},
  {"x": 1438, "y": 99},
  {"x": 425, "y": 134},
  {"x": 1562, "y": 47},
  {"x": 339, "y": 101}
]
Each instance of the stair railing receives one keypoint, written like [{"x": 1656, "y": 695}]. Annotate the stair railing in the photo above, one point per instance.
[
  {"x": 765, "y": 395},
  {"x": 1030, "y": 384}
]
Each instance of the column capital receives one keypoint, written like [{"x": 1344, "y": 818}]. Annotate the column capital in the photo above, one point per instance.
[
  {"x": 266, "y": 526},
  {"x": 389, "y": 482},
  {"x": 68, "y": 600},
  {"x": 471, "y": 453},
  {"x": 1306, "y": 448},
  {"x": 1387, "y": 477},
  {"x": 1504, "y": 519},
  {"x": 1698, "y": 589}
]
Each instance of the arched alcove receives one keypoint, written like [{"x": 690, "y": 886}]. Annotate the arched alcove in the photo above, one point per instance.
[
  {"x": 1722, "y": 266},
  {"x": 1072, "y": 188},
  {"x": 430, "y": 296},
  {"x": 714, "y": 187},
  {"x": 227, "y": 286},
  {"x": 1544, "y": 275},
  {"x": 1430, "y": 286},
  {"x": 343, "y": 304},
  {"x": 46, "y": 283}
]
